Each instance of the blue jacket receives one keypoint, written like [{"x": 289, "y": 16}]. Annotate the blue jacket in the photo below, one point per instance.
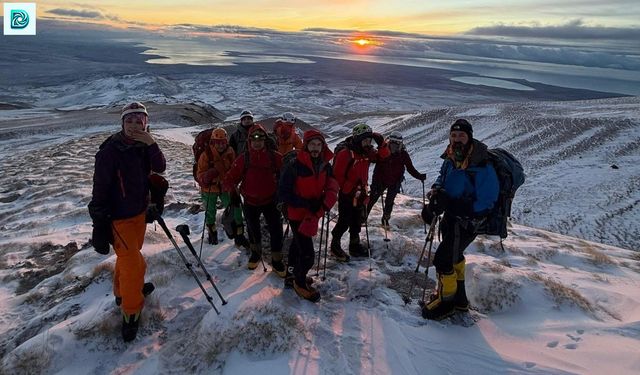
[{"x": 477, "y": 183}]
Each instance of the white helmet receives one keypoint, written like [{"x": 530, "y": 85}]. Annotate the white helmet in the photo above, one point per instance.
[
  {"x": 288, "y": 117},
  {"x": 395, "y": 137}
]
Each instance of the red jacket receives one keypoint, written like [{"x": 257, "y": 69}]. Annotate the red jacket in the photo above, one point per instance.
[
  {"x": 351, "y": 169},
  {"x": 303, "y": 182},
  {"x": 390, "y": 171},
  {"x": 259, "y": 179}
]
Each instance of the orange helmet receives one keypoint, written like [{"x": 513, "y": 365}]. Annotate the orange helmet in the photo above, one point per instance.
[{"x": 219, "y": 134}]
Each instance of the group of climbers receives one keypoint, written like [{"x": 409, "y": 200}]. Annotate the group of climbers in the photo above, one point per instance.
[{"x": 246, "y": 173}]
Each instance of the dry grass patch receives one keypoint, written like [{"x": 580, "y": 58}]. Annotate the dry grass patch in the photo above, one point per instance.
[
  {"x": 597, "y": 257},
  {"x": 563, "y": 294},
  {"x": 501, "y": 294}
]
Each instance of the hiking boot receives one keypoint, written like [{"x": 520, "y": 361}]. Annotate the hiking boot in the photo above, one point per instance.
[
  {"x": 241, "y": 241},
  {"x": 337, "y": 251},
  {"x": 130, "y": 326},
  {"x": 213, "y": 234},
  {"x": 147, "y": 289},
  {"x": 288, "y": 280},
  {"x": 442, "y": 306},
  {"x": 254, "y": 259},
  {"x": 385, "y": 221},
  {"x": 460, "y": 300},
  {"x": 357, "y": 250},
  {"x": 278, "y": 267},
  {"x": 307, "y": 292}
]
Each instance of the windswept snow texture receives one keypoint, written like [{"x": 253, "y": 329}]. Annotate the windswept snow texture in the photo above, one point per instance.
[{"x": 547, "y": 303}]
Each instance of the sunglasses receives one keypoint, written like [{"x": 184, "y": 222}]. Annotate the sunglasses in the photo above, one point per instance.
[{"x": 258, "y": 137}]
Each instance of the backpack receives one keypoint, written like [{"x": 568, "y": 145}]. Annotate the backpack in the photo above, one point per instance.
[
  {"x": 339, "y": 147},
  {"x": 510, "y": 177},
  {"x": 200, "y": 145}
]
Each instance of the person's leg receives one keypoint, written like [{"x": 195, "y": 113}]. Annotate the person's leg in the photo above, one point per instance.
[
  {"x": 128, "y": 238},
  {"x": 294, "y": 252},
  {"x": 252, "y": 216},
  {"x": 305, "y": 262},
  {"x": 274, "y": 225},
  {"x": 209, "y": 201},
  {"x": 374, "y": 195},
  {"x": 454, "y": 240},
  {"x": 344, "y": 219},
  {"x": 392, "y": 192},
  {"x": 356, "y": 249}
]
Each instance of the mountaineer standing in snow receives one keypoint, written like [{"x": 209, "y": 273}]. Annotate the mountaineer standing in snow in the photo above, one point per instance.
[
  {"x": 307, "y": 189},
  {"x": 118, "y": 206},
  {"x": 466, "y": 190},
  {"x": 388, "y": 174},
  {"x": 286, "y": 137},
  {"x": 214, "y": 163},
  {"x": 238, "y": 139},
  {"x": 257, "y": 170},
  {"x": 351, "y": 170}
]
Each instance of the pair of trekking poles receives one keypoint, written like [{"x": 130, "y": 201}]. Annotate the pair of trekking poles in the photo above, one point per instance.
[{"x": 183, "y": 229}]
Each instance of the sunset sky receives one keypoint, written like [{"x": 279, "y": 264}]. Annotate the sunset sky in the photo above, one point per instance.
[{"x": 414, "y": 16}]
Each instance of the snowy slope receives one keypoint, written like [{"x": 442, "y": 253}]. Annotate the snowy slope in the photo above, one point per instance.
[
  {"x": 547, "y": 304},
  {"x": 581, "y": 159}
]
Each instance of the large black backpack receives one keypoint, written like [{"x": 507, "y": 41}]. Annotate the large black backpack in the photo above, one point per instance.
[{"x": 510, "y": 177}]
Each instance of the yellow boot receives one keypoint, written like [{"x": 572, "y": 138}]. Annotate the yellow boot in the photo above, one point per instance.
[
  {"x": 460, "y": 300},
  {"x": 442, "y": 306}
]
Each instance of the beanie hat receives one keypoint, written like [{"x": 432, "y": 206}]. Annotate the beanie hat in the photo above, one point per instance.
[
  {"x": 463, "y": 126},
  {"x": 135, "y": 107}
]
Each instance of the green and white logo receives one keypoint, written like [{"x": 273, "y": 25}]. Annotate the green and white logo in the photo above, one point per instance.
[{"x": 19, "y": 19}]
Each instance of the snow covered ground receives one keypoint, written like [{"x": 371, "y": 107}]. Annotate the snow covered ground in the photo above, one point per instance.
[{"x": 548, "y": 303}]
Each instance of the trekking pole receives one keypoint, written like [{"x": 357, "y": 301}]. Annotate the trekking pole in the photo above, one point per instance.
[
  {"x": 366, "y": 230},
  {"x": 326, "y": 248},
  {"x": 186, "y": 262},
  {"x": 320, "y": 246},
  {"x": 423, "y": 204},
  {"x": 426, "y": 271},
  {"x": 204, "y": 224},
  {"x": 386, "y": 237},
  {"x": 428, "y": 239},
  {"x": 286, "y": 231},
  {"x": 184, "y": 232}
]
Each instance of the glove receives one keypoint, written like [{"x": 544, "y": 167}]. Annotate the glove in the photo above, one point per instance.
[
  {"x": 427, "y": 214},
  {"x": 101, "y": 237},
  {"x": 309, "y": 226},
  {"x": 460, "y": 207},
  {"x": 438, "y": 201},
  {"x": 378, "y": 138},
  {"x": 209, "y": 176},
  {"x": 422, "y": 176}
]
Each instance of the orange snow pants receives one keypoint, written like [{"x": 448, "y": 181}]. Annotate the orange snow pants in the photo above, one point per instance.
[{"x": 128, "y": 278}]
